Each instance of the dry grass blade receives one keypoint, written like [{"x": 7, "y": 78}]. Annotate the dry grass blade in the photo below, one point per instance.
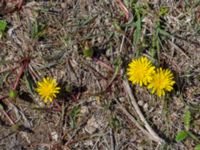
[
  {"x": 134, "y": 120},
  {"x": 153, "y": 134},
  {"x": 84, "y": 45}
]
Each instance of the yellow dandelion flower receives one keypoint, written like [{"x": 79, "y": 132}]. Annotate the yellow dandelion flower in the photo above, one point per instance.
[
  {"x": 162, "y": 81},
  {"x": 47, "y": 89},
  {"x": 140, "y": 71}
]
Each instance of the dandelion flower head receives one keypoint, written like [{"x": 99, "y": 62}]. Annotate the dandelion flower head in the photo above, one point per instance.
[
  {"x": 47, "y": 89},
  {"x": 140, "y": 71},
  {"x": 162, "y": 81}
]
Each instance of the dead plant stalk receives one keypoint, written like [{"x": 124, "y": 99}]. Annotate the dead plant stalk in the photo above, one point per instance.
[{"x": 154, "y": 135}]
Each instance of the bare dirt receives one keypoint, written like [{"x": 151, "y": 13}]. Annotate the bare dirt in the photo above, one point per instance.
[{"x": 93, "y": 109}]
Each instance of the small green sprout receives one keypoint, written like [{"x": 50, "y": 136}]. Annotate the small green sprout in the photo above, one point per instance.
[
  {"x": 163, "y": 11},
  {"x": 3, "y": 25},
  {"x": 74, "y": 115},
  {"x": 87, "y": 51},
  {"x": 12, "y": 94},
  {"x": 183, "y": 134}
]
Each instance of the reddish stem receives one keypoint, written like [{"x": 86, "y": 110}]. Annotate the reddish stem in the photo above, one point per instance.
[
  {"x": 57, "y": 105},
  {"x": 8, "y": 69},
  {"x": 101, "y": 63},
  {"x": 25, "y": 63},
  {"x": 123, "y": 8},
  {"x": 8, "y": 117},
  {"x": 3, "y": 97}
]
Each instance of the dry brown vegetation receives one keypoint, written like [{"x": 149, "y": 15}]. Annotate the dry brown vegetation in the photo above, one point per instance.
[{"x": 86, "y": 45}]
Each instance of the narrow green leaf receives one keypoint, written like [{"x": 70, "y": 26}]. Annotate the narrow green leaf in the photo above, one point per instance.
[
  {"x": 187, "y": 119},
  {"x": 163, "y": 32},
  {"x": 181, "y": 136},
  {"x": 88, "y": 52},
  {"x": 197, "y": 147},
  {"x": 12, "y": 94},
  {"x": 137, "y": 33},
  {"x": 187, "y": 2},
  {"x": 1, "y": 34},
  {"x": 1, "y": 107},
  {"x": 75, "y": 113},
  {"x": 138, "y": 24},
  {"x": 196, "y": 3},
  {"x": 29, "y": 82},
  {"x": 194, "y": 137},
  {"x": 163, "y": 11},
  {"x": 3, "y": 25}
]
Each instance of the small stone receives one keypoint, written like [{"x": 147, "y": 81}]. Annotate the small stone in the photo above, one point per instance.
[
  {"x": 91, "y": 126},
  {"x": 140, "y": 103},
  {"x": 89, "y": 143},
  {"x": 145, "y": 107},
  {"x": 54, "y": 136},
  {"x": 90, "y": 129},
  {"x": 63, "y": 5},
  {"x": 84, "y": 110}
]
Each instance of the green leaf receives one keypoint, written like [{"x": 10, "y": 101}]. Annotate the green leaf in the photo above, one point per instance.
[
  {"x": 3, "y": 25},
  {"x": 12, "y": 93},
  {"x": 163, "y": 11},
  {"x": 114, "y": 123},
  {"x": 74, "y": 114},
  {"x": 38, "y": 30},
  {"x": 197, "y": 147},
  {"x": 88, "y": 52},
  {"x": 187, "y": 119},
  {"x": 1, "y": 34},
  {"x": 1, "y": 107},
  {"x": 181, "y": 136},
  {"x": 29, "y": 82},
  {"x": 187, "y": 3},
  {"x": 138, "y": 24},
  {"x": 196, "y": 3},
  {"x": 137, "y": 33},
  {"x": 194, "y": 137},
  {"x": 163, "y": 32}
]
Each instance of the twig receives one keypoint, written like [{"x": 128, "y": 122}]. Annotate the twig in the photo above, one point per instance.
[
  {"x": 8, "y": 117},
  {"x": 179, "y": 49},
  {"x": 112, "y": 139},
  {"x": 132, "y": 119},
  {"x": 122, "y": 43},
  {"x": 154, "y": 135},
  {"x": 103, "y": 64},
  {"x": 115, "y": 75},
  {"x": 95, "y": 71},
  {"x": 70, "y": 140},
  {"x": 3, "y": 97},
  {"x": 6, "y": 136},
  {"x": 24, "y": 65},
  {"x": 33, "y": 73},
  {"x": 123, "y": 8},
  {"x": 8, "y": 69},
  {"x": 95, "y": 145},
  {"x": 18, "y": 77}
]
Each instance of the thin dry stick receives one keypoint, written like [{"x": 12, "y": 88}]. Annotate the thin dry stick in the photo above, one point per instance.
[
  {"x": 137, "y": 109},
  {"x": 123, "y": 8},
  {"x": 133, "y": 119},
  {"x": 8, "y": 117},
  {"x": 9, "y": 69},
  {"x": 112, "y": 140}
]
